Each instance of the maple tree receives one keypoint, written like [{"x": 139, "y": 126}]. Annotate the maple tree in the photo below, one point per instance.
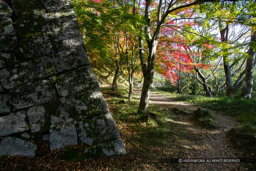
[
  {"x": 163, "y": 34},
  {"x": 156, "y": 14},
  {"x": 228, "y": 15}
]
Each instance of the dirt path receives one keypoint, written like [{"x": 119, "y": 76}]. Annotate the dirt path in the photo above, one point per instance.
[{"x": 193, "y": 141}]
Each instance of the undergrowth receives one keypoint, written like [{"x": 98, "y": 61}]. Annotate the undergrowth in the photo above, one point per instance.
[{"x": 243, "y": 109}]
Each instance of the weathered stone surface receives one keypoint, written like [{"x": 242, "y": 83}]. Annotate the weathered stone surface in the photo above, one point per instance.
[
  {"x": 7, "y": 33},
  {"x": 63, "y": 136},
  {"x": 36, "y": 117},
  {"x": 45, "y": 77},
  {"x": 111, "y": 148},
  {"x": 30, "y": 95},
  {"x": 66, "y": 61},
  {"x": 5, "y": 10},
  {"x": 40, "y": 23},
  {"x": 26, "y": 135},
  {"x": 4, "y": 100},
  {"x": 69, "y": 29},
  {"x": 201, "y": 113},
  {"x": 4, "y": 75},
  {"x": 16, "y": 146},
  {"x": 75, "y": 81},
  {"x": 6, "y": 60},
  {"x": 22, "y": 7},
  {"x": 8, "y": 43},
  {"x": 7, "y": 28},
  {"x": 98, "y": 129},
  {"x": 35, "y": 47},
  {"x": 56, "y": 5},
  {"x": 1, "y": 90},
  {"x": 17, "y": 75},
  {"x": 13, "y": 123},
  {"x": 85, "y": 104},
  {"x": 46, "y": 137},
  {"x": 204, "y": 118},
  {"x": 60, "y": 117}
]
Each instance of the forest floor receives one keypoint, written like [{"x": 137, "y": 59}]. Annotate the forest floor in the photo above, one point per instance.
[
  {"x": 150, "y": 145},
  {"x": 193, "y": 141}
]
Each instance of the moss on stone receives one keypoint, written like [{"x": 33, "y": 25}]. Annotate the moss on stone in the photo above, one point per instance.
[
  {"x": 208, "y": 122},
  {"x": 205, "y": 119},
  {"x": 26, "y": 6}
]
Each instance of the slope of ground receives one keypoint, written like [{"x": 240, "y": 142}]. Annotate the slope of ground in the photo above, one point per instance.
[{"x": 150, "y": 146}]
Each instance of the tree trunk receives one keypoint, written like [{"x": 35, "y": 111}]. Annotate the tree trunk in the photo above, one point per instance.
[
  {"x": 228, "y": 77},
  {"x": 203, "y": 82},
  {"x": 144, "y": 99},
  {"x": 207, "y": 90},
  {"x": 114, "y": 83},
  {"x": 250, "y": 65},
  {"x": 179, "y": 86},
  {"x": 130, "y": 87},
  {"x": 227, "y": 70},
  {"x": 148, "y": 77}
]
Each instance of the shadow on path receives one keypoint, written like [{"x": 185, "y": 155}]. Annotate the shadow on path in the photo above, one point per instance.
[{"x": 192, "y": 141}]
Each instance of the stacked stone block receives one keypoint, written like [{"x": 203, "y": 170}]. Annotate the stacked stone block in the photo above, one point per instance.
[{"x": 48, "y": 91}]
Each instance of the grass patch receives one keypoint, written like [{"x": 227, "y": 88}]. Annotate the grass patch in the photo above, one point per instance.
[
  {"x": 136, "y": 131},
  {"x": 243, "y": 109}
]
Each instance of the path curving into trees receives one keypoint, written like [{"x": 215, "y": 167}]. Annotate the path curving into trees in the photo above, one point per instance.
[{"x": 193, "y": 141}]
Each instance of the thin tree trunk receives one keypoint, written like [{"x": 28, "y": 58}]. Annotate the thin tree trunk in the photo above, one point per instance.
[
  {"x": 227, "y": 70},
  {"x": 250, "y": 65},
  {"x": 148, "y": 77},
  {"x": 130, "y": 87},
  {"x": 179, "y": 86},
  {"x": 203, "y": 82},
  {"x": 114, "y": 83},
  {"x": 144, "y": 99},
  {"x": 228, "y": 77}
]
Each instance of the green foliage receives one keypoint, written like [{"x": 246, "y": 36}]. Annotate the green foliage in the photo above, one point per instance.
[
  {"x": 99, "y": 22},
  {"x": 125, "y": 112},
  {"x": 242, "y": 109}
]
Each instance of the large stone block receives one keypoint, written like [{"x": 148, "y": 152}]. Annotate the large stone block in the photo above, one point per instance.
[
  {"x": 63, "y": 136},
  {"x": 22, "y": 7},
  {"x": 36, "y": 117},
  {"x": 35, "y": 47},
  {"x": 75, "y": 81},
  {"x": 85, "y": 104},
  {"x": 8, "y": 43},
  {"x": 7, "y": 60},
  {"x": 45, "y": 77},
  {"x": 16, "y": 75},
  {"x": 13, "y": 123},
  {"x": 6, "y": 28},
  {"x": 32, "y": 94},
  {"x": 16, "y": 146},
  {"x": 1, "y": 89},
  {"x": 4, "y": 75},
  {"x": 40, "y": 23},
  {"x": 4, "y": 103},
  {"x": 56, "y": 5},
  {"x": 5, "y": 10},
  {"x": 98, "y": 129},
  {"x": 24, "y": 72},
  {"x": 68, "y": 29},
  {"x": 32, "y": 25},
  {"x": 60, "y": 117},
  {"x": 60, "y": 17}
]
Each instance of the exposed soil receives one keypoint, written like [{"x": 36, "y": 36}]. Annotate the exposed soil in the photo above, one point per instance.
[
  {"x": 192, "y": 141},
  {"x": 153, "y": 148}
]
